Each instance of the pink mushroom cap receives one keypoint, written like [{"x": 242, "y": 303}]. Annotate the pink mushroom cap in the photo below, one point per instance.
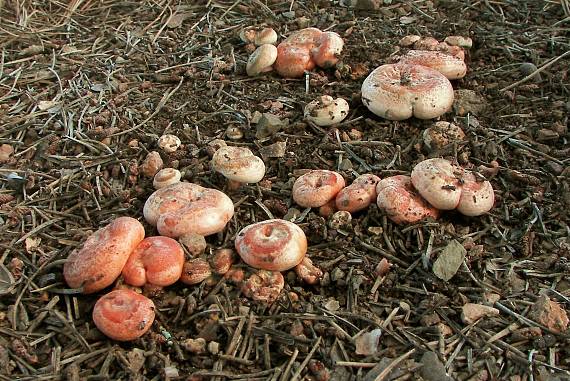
[
  {"x": 437, "y": 181},
  {"x": 317, "y": 187},
  {"x": 275, "y": 245},
  {"x": 156, "y": 260},
  {"x": 185, "y": 208},
  {"x": 401, "y": 202}
]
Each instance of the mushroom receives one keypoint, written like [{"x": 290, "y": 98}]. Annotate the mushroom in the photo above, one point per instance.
[
  {"x": 426, "y": 43},
  {"x": 437, "y": 181},
  {"x": 184, "y": 208},
  {"x": 450, "y": 66},
  {"x": 308, "y": 272},
  {"x": 195, "y": 271},
  {"x": 317, "y": 187},
  {"x": 326, "y": 111},
  {"x": 102, "y": 257},
  {"x": 441, "y": 134},
  {"x": 461, "y": 41},
  {"x": 166, "y": 177},
  {"x": 169, "y": 143},
  {"x": 222, "y": 260},
  {"x": 276, "y": 245},
  {"x": 409, "y": 40},
  {"x": 358, "y": 195},
  {"x": 477, "y": 196},
  {"x": 401, "y": 202},
  {"x": 238, "y": 164},
  {"x": 264, "y": 286},
  {"x": 261, "y": 60},
  {"x": 155, "y": 260},
  {"x": 327, "y": 50},
  {"x": 400, "y": 91},
  {"x": 265, "y": 36},
  {"x": 123, "y": 314},
  {"x": 304, "y": 49},
  {"x": 293, "y": 60}
]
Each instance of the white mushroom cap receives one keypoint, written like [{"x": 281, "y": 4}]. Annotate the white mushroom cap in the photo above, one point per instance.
[
  {"x": 238, "y": 164},
  {"x": 261, "y": 60},
  {"x": 461, "y": 41},
  {"x": 399, "y": 91},
  {"x": 477, "y": 197},
  {"x": 409, "y": 40},
  {"x": 169, "y": 143},
  {"x": 450, "y": 66},
  {"x": 437, "y": 181},
  {"x": 326, "y": 110},
  {"x": 265, "y": 36},
  {"x": 166, "y": 177}
]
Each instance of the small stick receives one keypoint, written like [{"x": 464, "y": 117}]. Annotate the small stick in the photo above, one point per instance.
[{"x": 540, "y": 69}]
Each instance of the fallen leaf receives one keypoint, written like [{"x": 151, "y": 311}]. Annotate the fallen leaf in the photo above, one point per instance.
[
  {"x": 448, "y": 262},
  {"x": 176, "y": 20}
]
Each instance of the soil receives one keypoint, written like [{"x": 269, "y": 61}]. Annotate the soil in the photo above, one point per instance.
[{"x": 86, "y": 90}]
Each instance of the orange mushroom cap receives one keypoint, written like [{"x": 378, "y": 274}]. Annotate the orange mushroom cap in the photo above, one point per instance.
[
  {"x": 276, "y": 245},
  {"x": 123, "y": 315},
  {"x": 293, "y": 60},
  {"x": 184, "y": 208},
  {"x": 358, "y": 195},
  {"x": 327, "y": 50},
  {"x": 317, "y": 187},
  {"x": 156, "y": 260},
  {"x": 401, "y": 202},
  {"x": 102, "y": 257}
]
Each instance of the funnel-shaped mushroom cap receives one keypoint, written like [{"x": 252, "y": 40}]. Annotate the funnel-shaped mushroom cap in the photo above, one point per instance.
[
  {"x": 275, "y": 245},
  {"x": 477, "y": 197},
  {"x": 317, "y": 187},
  {"x": 400, "y": 91}
]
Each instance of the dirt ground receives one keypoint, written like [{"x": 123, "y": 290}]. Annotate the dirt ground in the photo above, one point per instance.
[{"x": 86, "y": 89}]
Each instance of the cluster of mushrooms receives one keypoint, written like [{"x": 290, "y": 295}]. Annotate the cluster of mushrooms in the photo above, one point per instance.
[
  {"x": 302, "y": 51},
  {"x": 185, "y": 213}
]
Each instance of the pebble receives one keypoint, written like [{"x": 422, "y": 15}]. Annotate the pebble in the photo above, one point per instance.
[
  {"x": 433, "y": 369},
  {"x": 549, "y": 313},
  {"x": 274, "y": 150},
  {"x": 468, "y": 101},
  {"x": 269, "y": 124},
  {"x": 471, "y": 312},
  {"x": 152, "y": 164}
]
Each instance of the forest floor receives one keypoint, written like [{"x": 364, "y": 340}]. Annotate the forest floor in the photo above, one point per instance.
[{"x": 88, "y": 86}]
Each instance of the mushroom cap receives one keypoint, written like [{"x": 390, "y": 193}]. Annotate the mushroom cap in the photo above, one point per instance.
[
  {"x": 317, "y": 187},
  {"x": 450, "y": 66},
  {"x": 409, "y": 40},
  {"x": 261, "y": 60},
  {"x": 184, "y": 208},
  {"x": 265, "y": 36},
  {"x": 123, "y": 315},
  {"x": 264, "y": 286},
  {"x": 169, "y": 143},
  {"x": 442, "y": 134},
  {"x": 358, "y": 195},
  {"x": 166, "y": 177},
  {"x": 461, "y": 41},
  {"x": 304, "y": 36},
  {"x": 155, "y": 260},
  {"x": 102, "y": 257},
  {"x": 275, "y": 245},
  {"x": 477, "y": 197},
  {"x": 401, "y": 202},
  {"x": 436, "y": 180},
  {"x": 326, "y": 111},
  {"x": 452, "y": 50},
  {"x": 327, "y": 50},
  {"x": 400, "y": 91},
  {"x": 195, "y": 271},
  {"x": 426, "y": 43},
  {"x": 293, "y": 59},
  {"x": 238, "y": 164}
]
